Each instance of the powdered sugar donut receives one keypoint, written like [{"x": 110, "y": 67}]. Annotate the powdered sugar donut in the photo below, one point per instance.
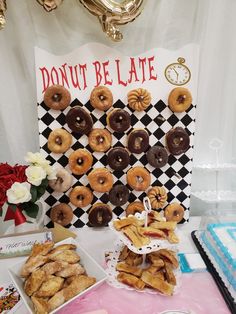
[{"x": 63, "y": 181}]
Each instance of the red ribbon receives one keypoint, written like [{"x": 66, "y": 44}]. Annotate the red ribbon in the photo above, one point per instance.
[{"x": 17, "y": 215}]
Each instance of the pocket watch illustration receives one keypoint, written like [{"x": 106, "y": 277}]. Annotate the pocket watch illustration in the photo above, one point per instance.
[{"x": 178, "y": 73}]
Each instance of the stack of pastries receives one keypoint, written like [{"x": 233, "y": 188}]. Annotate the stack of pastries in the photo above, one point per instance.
[
  {"x": 53, "y": 276},
  {"x": 158, "y": 274},
  {"x": 134, "y": 229}
]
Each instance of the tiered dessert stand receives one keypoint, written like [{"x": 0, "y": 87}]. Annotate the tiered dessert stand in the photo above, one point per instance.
[
  {"x": 215, "y": 196},
  {"x": 112, "y": 258}
]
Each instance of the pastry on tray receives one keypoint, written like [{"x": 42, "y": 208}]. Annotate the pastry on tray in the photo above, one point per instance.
[
  {"x": 54, "y": 276},
  {"x": 158, "y": 273},
  {"x": 133, "y": 229}
]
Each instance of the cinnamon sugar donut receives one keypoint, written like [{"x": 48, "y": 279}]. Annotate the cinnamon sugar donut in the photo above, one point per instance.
[
  {"x": 138, "y": 178},
  {"x": 100, "y": 180},
  {"x": 59, "y": 141},
  {"x": 80, "y": 161},
  {"x": 61, "y": 214},
  {"x": 57, "y": 97},
  {"x": 100, "y": 140},
  {"x": 180, "y": 99},
  {"x": 174, "y": 212},
  {"x": 101, "y": 98},
  {"x": 134, "y": 207},
  {"x": 139, "y": 99},
  {"x": 81, "y": 196},
  {"x": 63, "y": 181},
  {"x": 157, "y": 196}
]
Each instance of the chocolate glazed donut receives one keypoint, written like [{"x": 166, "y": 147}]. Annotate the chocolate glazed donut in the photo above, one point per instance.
[
  {"x": 119, "y": 120},
  {"x": 79, "y": 120},
  {"x": 157, "y": 156},
  {"x": 138, "y": 141},
  {"x": 118, "y": 158},
  {"x": 99, "y": 215},
  {"x": 119, "y": 195},
  {"x": 177, "y": 140}
]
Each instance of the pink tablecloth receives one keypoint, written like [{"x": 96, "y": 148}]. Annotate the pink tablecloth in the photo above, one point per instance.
[{"x": 198, "y": 294}]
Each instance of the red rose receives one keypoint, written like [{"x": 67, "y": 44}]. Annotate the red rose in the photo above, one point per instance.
[
  {"x": 19, "y": 172},
  {"x": 3, "y": 197},
  {"x": 8, "y": 180},
  {"x": 5, "y": 169},
  {"x": 8, "y": 176}
]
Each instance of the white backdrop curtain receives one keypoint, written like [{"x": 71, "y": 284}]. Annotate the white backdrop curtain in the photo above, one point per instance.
[{"x": 163, "y": 23}]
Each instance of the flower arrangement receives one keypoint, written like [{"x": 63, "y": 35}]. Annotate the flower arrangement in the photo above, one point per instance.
[{"x": 21, "y": 186}]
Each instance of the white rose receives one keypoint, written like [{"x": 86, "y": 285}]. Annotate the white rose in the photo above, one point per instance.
[
  {"x": 36, "y": 159},
  {"x": 35, "y": 175},
  {"x": 19, "y": 193},
  {"x": 51, "y": 172}
]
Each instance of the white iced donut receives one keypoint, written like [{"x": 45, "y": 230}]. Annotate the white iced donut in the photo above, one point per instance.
[{"x": 63, "y": 181}]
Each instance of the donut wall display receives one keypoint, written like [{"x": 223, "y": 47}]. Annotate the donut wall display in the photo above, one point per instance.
[{"x": 117, "y": 128}]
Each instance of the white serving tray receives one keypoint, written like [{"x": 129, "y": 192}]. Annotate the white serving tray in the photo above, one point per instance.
[{"x": 91, "y": 266}]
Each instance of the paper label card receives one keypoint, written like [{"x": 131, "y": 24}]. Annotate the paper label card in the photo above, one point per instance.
[{"x": 20, "y": 245}]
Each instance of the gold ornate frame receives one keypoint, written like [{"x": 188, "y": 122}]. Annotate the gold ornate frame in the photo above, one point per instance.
[{"x": 110, "y": 13}]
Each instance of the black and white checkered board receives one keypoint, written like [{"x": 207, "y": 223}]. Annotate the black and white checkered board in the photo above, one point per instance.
[{"x": 158, "y": 119}]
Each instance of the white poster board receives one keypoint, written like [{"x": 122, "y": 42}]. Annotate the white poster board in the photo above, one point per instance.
[{"x": 158, "y": 71}]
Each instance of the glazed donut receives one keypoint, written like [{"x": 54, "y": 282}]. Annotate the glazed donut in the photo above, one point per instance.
[
  {"x": 61, "y": 214},
  {"x": 119, "y": 195},
  {"x": 99, "y": 215},
  {"x": 138, "y": 141},
  {"x": 100, "y": 140},
  {"x": 134, "y": 207},
  {"x": 157, "y": 196},
  {"x": 81, "y": 196},
  {"x": 157, "y": 156},
  {"x": 101, "y": 98},
  {"x": 79, "y": 120},
  {"x": 59, "y": 141},
  {"x": 119, "y": 120},
  {"x": 138, "y": 178},
  {"x": 80, "y": 161},
  {"x": 57, "y": 97},
  {"x": 180, "y": 99},
  {"x": 174, "y": 212},
  {"x": 63, "y": 181},
  {"x": 139, "y": 99},
  {"x": 177, "y": 140},
  {"x": 100, "y": 180},
  {"x": 118, "y": 158}
]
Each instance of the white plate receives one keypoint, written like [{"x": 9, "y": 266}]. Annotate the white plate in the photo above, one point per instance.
[{"x": 91, "y": 266}]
